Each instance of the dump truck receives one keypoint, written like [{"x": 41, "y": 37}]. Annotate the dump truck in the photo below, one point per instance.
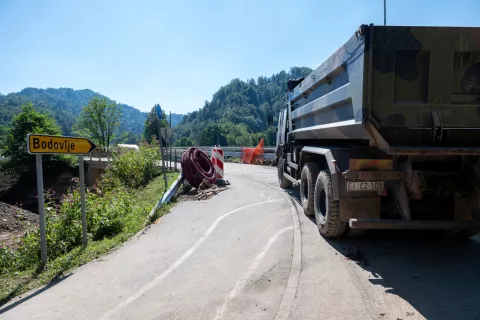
[{"x": 385, "y": 134}]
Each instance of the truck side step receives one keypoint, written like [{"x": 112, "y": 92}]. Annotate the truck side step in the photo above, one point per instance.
[
  {"x": 412, "y": 225},
  {"x": 289, "y": 177},
  {"x": 293, "y": 165}
]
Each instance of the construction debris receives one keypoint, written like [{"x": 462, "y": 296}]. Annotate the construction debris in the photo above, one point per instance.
[
  {"x": 204, "y": 191},
  {"x": 205, "y": 184}
]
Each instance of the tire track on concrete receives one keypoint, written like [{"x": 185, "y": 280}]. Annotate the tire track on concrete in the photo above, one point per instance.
[
  {"x": 240, "y": 284},
  {"x": 288, "y": 298}
]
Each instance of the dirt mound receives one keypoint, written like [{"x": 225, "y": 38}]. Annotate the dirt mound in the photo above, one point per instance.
[
  {"x": 13, "y": 222},
  {"x": 14, "y": 219}
]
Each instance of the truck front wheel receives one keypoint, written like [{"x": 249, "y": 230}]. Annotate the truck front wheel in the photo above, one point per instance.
[
  {"x": 307, "y": 186},
  {"x": 327, "y": 210}
]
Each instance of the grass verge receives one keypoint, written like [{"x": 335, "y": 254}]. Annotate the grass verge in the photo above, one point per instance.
[{"x": 17, "y": 283}]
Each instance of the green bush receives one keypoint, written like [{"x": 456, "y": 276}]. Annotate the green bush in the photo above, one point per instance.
[
  {"x": 106, "y": 218},
  {"x": 184, "y": 142},
  {"x": 7, "y": 259},
  {"x": 132, "y": 169},
  {"x": 109, "y": 209},
  {"x": 106, "y": 214}
]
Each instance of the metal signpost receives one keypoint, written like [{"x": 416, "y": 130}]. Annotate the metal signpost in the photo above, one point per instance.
[
  {"x": 171, "y": 143},
  {"x": 384, "y": 12},
  {"x": 39, "y": 144},
  {"x": 158, "y": 111},
  {"x": 166, "y": 134}
]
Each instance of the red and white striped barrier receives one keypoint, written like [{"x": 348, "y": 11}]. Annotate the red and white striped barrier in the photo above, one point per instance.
[
  {"x": 213, "y": 158},
  {"x": 218, "y": 160},
  {"x": 219, "y": 163}
]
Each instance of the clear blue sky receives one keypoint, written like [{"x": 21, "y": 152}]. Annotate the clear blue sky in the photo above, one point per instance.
[{"x": 178, "y": 53}]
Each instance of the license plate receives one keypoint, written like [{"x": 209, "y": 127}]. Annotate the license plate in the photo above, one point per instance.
[{"x": 365, "y": 186}]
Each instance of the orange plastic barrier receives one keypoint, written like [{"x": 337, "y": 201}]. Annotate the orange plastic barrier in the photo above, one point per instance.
[{"x": 250, "y": 155}]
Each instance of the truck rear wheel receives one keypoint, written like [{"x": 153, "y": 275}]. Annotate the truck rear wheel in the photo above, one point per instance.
[
  {"x": 282, "y": 181},
  {"x": 327, "y": 210},
  {"x": 307, "y": 186}
]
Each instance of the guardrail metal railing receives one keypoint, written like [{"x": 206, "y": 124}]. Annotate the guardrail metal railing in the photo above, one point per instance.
[{"x": 229, "y": 152}]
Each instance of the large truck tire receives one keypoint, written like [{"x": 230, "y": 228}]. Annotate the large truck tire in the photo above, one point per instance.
[
  {"x": 327, "y": 210},
  {"x": 282, "y": 181},
  {"x": 307, "y": 186}
]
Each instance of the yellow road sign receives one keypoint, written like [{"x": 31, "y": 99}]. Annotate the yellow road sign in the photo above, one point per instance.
[{"x": 45, "y": 144}]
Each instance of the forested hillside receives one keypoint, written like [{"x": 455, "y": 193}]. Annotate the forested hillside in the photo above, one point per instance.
[
  {"x": 236, "y": 116},
  {"x": 176, "y": 119},
  {"x": 65, "y": 105},
  {"x": 238, "y": 112}
]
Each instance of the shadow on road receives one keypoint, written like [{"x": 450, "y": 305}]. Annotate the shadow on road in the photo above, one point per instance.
[
  {"x": 53, "y": 273},
  {"x": 438, "y": 276},
  {"x": 26, "y": 298},
  {"x": 294, "y": 193}
]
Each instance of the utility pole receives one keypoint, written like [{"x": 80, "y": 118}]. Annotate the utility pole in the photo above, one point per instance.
[{"x": 384, "y": 12}]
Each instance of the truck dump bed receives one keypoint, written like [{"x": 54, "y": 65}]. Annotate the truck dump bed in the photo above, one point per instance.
[{"x": 396, "y": 86}]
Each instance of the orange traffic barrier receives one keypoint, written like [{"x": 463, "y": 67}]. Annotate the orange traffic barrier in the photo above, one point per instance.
[{"x": 250, "y": 155}]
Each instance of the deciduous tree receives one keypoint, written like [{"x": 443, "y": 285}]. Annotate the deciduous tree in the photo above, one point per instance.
[
  {"x": 151, "y": 127},
  {"x": 15, "y": 141},
  {"x": 184, "y": 142},
  {"x": 98, "y": 121},
  {"x": 214, "y": 134}
]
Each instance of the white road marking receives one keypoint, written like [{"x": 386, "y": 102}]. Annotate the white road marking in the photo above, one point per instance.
[
  {"x": 177, "y": 263},
  {"x": 243, "y": 280}
]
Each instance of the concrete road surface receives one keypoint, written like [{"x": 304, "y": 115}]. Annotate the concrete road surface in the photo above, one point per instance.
[{"x": 251, "y": 253}]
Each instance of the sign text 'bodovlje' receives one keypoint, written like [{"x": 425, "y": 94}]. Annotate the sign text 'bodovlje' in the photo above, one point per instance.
[{"x": 45, "y": 144}]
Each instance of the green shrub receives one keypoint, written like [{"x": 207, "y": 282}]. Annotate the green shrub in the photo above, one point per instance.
[
  {"x": 106, "y": 217},
  {"x": 132, "y": 169},
  {"x": 109, "y": 212},
  {"x": 106, "y": 214},
  {"x": 7, "y": 259}
]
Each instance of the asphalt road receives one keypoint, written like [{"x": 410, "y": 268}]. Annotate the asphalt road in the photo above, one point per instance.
[{"x": 251, "y": 253}]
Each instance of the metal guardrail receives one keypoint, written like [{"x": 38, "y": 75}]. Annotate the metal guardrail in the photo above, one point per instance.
[
  {"x": 267, "y": 149},
  {"x": 228, "y": 152}
]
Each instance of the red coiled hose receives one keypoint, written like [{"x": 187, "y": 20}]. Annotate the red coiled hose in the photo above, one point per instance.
[{"x": 196, "y": 166}]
